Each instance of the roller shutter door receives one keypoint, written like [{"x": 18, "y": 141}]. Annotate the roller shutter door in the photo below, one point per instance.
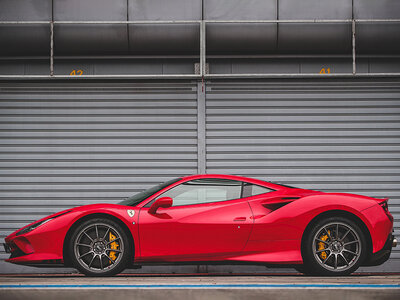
[
  {"x": 64, "y": 145},
  {"x": 334, "y": 136}
]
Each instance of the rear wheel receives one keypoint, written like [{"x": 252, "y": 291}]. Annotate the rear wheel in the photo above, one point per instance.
[
  {"x": 99, "y": 247},
  {"x": 334, "y": 247}
]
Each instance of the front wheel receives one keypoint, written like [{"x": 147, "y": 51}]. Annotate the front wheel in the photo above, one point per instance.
[
  {"x": 99, "y": 247},
  {"x": 334, "y": 247}
]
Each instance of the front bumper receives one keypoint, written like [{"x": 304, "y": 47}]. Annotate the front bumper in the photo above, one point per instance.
[
  {"x": 383, "y": 255},
  {"x": 19, "y": 249},
  {"x": 41, "y": 245},
  {"x": 22, "y": 254}
]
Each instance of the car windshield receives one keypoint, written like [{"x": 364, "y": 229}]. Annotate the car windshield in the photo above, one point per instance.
[{"x": 139, "y": 197}]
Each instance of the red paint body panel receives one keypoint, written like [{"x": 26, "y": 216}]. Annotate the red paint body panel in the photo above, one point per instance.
[
  {"x": 252, "y": 229},
  {"x": 48, "y": 239},
  {"x": 195, "y": 231}
]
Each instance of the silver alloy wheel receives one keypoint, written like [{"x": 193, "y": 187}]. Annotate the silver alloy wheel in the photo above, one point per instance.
[
  {"x": 339, "y": 248},
  {"x": 92, "y": 247}
]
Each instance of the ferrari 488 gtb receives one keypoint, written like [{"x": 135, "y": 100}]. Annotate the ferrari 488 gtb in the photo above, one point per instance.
[{"x": 210, "y": 219}]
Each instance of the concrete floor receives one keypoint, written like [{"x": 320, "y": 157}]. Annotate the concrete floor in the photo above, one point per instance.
[{"x": 200, "y": 286}]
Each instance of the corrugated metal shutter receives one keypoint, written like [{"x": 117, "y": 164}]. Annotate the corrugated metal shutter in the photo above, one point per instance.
[
  {"x": 70, "y": 144},
  {"x": 330, "y": 135},
  {"x": 64, "y": 145}
]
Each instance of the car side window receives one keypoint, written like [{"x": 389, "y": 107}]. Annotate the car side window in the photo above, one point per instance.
[
  {"x": 207, "y": 190},
  {"x": 250, "y": 189}
]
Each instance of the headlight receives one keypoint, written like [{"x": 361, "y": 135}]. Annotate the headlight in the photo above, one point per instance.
[
  {"x": 31, "y": 227},
  {"x": 36, "y": 225}
]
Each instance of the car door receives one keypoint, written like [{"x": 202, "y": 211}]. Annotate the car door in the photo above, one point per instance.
[{"x": 208, "y": 220}]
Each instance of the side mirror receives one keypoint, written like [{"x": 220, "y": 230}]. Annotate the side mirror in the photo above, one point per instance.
[{"x": 163, "y": 202}]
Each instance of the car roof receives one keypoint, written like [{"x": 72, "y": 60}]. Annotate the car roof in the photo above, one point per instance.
[{"x": 235, "y": 177}]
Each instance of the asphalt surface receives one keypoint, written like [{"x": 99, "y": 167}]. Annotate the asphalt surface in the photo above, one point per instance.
[{"x": 200, "y": 286}]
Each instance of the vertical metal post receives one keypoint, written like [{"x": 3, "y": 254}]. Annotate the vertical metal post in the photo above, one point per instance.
[
  {"x": 202, "y": 48},
  {"x": 51, "y": 48},
  {"x": 353, "y": 43},
  {"x": 201, "y": 128}
]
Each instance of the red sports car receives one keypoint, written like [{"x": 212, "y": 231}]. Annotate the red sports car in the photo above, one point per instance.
[{"x": 210, "y": 219}]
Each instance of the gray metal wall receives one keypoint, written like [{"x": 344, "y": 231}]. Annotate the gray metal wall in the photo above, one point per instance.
[
  {"x": 334, "y": 136},
  {"x": 63, "y": 145},
  {"x": 68, "y": 144}
]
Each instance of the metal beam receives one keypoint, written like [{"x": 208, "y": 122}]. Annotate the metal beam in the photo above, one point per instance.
[
  {"x": 113, "y": 76},
  {"x": 305, "y": 21},
  {"x": 207, "y": 21},
  {"x": 51, "y": 49},
  {"x": 202, "y": 48},
  {"x": 201, "y": 127},
  {"x": 299, "y": 75},
  {"x": 280, "y": 21},
  {"x": 353, "y": 45},
  {"x": 103, "y": 22},
  {"x": 190, "y": 76},
  {"x": 377, "y": 20},
  {"x": 24, "y": 22},
  {"x": 192, "y": 57}
]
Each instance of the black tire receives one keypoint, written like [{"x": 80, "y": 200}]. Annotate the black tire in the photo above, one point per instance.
[
  {"x": 89, "y": 248},
  {"x": 335, "y": 246}
]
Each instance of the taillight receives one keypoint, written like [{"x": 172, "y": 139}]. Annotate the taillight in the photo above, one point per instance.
[{"x": 385, "y": 206}]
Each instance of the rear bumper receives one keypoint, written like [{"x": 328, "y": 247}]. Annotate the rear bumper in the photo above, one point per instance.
[{"x": 382, "y": 255}]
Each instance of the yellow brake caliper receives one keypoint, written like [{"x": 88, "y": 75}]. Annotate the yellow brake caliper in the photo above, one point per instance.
[
  {"x": 113, "y": 246},
  {"x": 321, "y": 245}
]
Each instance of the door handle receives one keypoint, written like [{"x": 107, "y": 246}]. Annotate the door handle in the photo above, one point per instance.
[{"x": 239, "y": 219}]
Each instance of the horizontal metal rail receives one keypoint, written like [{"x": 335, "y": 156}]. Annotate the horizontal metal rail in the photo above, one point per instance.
[
  {"x": 105, "y": 76},
  {"x": 206, "y": 76},
  {"x": 193, "y": 57},
  {"x": 202, "y": 50},
  {"x": 206, "y": 21},
  {"x": 103, "y": 22},
  {"x": 304, "y": 21},
  {"x": 297, "y": 75}
]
